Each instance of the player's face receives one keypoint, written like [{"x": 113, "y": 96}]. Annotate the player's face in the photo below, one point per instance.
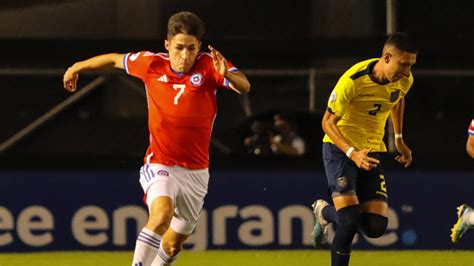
[
  {"x": 183, "y": 50},
  {"x": 398, "y": 64}
]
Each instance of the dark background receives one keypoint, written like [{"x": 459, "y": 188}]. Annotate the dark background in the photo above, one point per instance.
[{"x": 108, "y": 128}]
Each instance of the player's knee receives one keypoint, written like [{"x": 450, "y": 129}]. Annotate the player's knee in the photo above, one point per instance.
[
  {"x": 349, "y": 217},
  {"x": 374, "y": 225},
  {"x": 160, "y": 221}
]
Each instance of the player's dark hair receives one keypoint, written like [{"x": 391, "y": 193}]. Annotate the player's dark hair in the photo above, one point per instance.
[
  {"x": 403, "y": 42},
  {"x": 187, "y": 23}
]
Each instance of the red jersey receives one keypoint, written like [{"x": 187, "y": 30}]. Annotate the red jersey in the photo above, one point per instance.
[
  {"x": 471, "y": 128},
  {"x": 181, "y": 107}
]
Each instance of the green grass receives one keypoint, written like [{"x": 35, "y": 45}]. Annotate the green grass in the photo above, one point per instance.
[{"x": 246, "y": 258}]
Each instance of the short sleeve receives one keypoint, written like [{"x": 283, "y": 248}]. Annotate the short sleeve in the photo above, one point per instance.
[
  {"x": 471, "y": 128},
  {"x": 220, "y": 80},
  {"x": 341, "y": 96},
  {"x": 137, "y": 64},
  {"x": 410, "y": 81},
  {"x": 408, "y": 84}
]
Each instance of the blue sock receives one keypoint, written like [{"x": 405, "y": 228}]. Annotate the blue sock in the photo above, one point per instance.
[
  {"x": 349, "y": 221},
  {"x": 373, "y": 225},
  {"x": 330, "y": 214}
]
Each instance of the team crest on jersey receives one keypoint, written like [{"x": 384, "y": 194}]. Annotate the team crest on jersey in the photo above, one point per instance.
[
  {"x": 394, "y": 96},
  {"x": 162, "y": 173},
  {"x": 342, "y": 181},
  {"x": 333, "y": 97},
  {"x": 196, "y": 79}
]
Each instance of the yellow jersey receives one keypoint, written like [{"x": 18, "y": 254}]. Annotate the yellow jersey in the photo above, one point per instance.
[{"x": 364, "y": 105}]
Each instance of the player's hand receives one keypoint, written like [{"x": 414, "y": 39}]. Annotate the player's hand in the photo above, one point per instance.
[
  {"x": 363, "y": 160},
  {"x": 70, "y": 79},
  {"x": 219, "y": 61},
  {"x": 405, "y": 156}
]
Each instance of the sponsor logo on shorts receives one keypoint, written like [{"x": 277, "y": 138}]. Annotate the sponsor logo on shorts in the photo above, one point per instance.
[
  {"x": 163, "y": 173},
  {"x": 342, "y": 181}
]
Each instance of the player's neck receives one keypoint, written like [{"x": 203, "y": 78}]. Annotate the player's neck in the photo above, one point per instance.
[
  {"x": 176, "y": 72},
  {"x": 377, "y": 74}
]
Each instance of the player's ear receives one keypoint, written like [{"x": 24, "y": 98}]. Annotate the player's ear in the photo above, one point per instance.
[
  {"x": 199, "y": 46},
  {"x": 386, "y": 57},
  {"x": 167, "y": 45}
]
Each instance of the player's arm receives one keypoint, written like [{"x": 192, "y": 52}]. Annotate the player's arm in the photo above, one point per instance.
[
  {"x": 405, "y": 156},
  {"x": 237, "y": 80},
  {"x": 470, "y": 145},
  {"x": 98, "y": 62},
  {"x": 361, "y": 158}
]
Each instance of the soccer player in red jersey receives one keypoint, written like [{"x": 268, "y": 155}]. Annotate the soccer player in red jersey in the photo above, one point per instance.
[
  {"x": 181, "y": 87},
  {"x": 470, "y": 140},
  {"x": 465, "y": 212}
]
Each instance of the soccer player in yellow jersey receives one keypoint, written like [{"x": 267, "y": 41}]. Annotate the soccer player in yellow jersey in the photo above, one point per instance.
[{"x": 354, "y": 124}]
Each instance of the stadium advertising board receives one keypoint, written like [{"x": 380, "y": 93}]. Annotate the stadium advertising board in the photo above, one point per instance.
[{"x": 243, "y": 210}]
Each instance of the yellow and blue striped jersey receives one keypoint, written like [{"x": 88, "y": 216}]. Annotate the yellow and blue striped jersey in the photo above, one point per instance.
[{"x": 365, "y": 105}]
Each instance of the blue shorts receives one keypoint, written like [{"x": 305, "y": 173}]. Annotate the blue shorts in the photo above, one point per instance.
[{"x": 343, "y": 175}]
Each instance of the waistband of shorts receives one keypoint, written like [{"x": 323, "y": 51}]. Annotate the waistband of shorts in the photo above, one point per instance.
[
  {"x": 203, "y": 170},
  {"x": 332, "y": 146}
]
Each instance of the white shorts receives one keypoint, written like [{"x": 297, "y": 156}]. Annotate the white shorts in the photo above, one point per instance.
[{"x": 186, "y": 188}]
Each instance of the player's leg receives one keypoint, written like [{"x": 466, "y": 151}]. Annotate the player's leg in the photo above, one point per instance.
[
  {"x": 150, "y": 238},
  {"x": 160, "y": 194},
  {"x": 342, "y": 175},
  {"x": 324, "y": 212},
  {"x": 374, "y": 219},
  {"x": 347, "y": 207},
  {"x": 338, "y": 167},
  {"x": 189, "y": 202},
  {"x": 161, "y": 213},
  {"x": 465, "y": 221},
  {"x": 171, "y": 245},
  {"x": 372, "y": 192}
]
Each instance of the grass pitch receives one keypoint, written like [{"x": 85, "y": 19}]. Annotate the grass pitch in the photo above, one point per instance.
[{"x": 247, "y": 258}]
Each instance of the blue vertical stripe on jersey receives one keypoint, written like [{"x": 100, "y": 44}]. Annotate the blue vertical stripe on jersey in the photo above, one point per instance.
[{"x": 125, "y": 57}]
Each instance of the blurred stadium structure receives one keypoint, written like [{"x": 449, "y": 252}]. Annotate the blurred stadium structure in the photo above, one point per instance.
[
  {"x": 106, "y": 119},
  {"x": 292, "y": 52}
]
